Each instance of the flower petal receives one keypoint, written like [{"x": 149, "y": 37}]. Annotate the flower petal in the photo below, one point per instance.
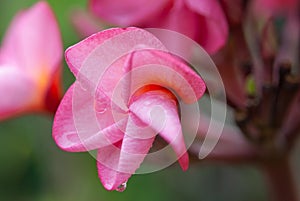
[
  {"x": 159, "y": 110},
  {"x": 84, "y": 136},
  {"x": 16, "y": 92},
  {"x": 54, "y": 92},
  {"x": 127, "y": 12},
  {"x": 85, "y": 24},
  {"x": 98, "y": 47},
  {"x": 33, "y": 41},
  {"x": 117, "y": 163},
  {"x": 213, "y": 25},
  {"x": 150, "y": 67},
  {"x": 172, "y": 20}
]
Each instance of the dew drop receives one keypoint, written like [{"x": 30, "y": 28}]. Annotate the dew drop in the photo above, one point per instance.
[
  {"x": 122, "y": 187},
  {"x": 101, "y": 107},
  {"x": 146, "y": 103},
  {"x": 101, "y": 111},
  {"x": 101, "y": 104},
  {"x": 84, "y": 84}
]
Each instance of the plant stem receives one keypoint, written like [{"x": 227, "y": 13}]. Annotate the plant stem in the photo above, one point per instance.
[{"x": 280, "y": 179}]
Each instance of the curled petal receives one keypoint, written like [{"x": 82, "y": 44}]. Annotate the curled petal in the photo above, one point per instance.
[
  {"x": 159, "y": 110},
  {"x": 117, "y": 163}
]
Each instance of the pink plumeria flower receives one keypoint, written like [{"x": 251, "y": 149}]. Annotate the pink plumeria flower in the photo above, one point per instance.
[
  {"x": 122, "y": 99},
  {"x": 30, "y": 61},
  {"x": 201, "y": 20}
]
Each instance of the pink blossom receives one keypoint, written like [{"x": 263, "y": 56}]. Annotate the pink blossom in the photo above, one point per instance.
[
  {"x": 85, "y": 23},
  {"x": 118, "y": 107},
  {"x": 201, "y": 20},
  {"x": 30, "y": 59}
]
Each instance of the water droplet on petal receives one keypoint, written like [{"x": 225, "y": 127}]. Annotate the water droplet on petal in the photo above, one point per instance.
[
  {"x": 101, "y": 103},
  {"x": 122, "y": 187},
  {"x": 102, "y": 111},
  {"x": 84, "y": 84},
  {"x": 146, "y": 103},
  {"x": 101, "y": 107}
]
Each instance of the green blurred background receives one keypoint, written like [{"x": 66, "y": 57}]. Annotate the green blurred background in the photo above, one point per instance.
[{"x": 33, "y": 168}]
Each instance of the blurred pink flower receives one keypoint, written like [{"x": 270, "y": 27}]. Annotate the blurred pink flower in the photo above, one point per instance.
[
  {"x": 201, "y": 20},
  {"x": 30, "y": 59},
  {"x": 84, "y": 23},
  {"x": 131, "y": 102}
]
